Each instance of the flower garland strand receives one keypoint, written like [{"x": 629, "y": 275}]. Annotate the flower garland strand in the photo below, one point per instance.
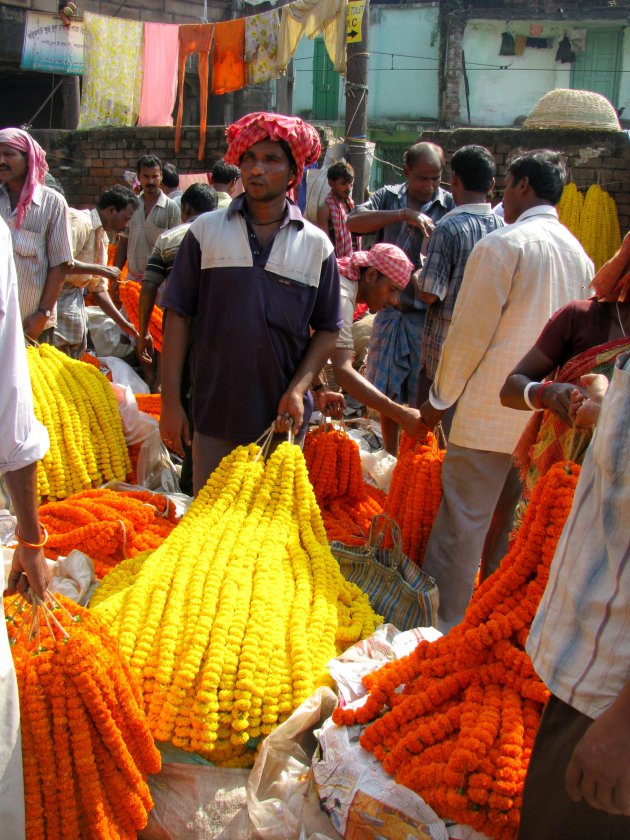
[
  {"x": 461, "y": 730},
  {"x": 129, "y": 292},
  {"x": 87, "y": 749}
]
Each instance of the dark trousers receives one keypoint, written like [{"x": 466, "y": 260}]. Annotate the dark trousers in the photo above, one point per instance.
[{"x": 548, "y": 813}]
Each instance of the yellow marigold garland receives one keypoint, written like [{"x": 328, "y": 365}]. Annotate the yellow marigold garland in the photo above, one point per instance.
[
  {"x": 86, "y": 745},
  {"x": 461, "y": 731},
  {"x": 230, "y": 623},
  {"x": 78, "y": 407}
]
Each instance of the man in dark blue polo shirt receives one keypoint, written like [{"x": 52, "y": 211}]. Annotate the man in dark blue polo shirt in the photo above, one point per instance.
[{"x": 262, "y": 284}]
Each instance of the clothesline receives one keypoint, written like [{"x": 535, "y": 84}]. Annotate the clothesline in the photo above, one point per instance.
[{"x": 131, "y": 69}]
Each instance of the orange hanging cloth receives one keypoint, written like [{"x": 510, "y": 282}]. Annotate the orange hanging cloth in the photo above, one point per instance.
[
  {"x": 229, "y": 71},
  {"x": 194, "y": 37}
]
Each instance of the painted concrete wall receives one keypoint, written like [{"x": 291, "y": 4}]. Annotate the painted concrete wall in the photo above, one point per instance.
[
  {"x": 498, "y": 96},
  {"x": 403, "y": 65}
]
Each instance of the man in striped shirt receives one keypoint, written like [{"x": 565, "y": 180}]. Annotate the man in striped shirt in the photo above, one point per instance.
[
  {"x": 578, "y": 781},
  {"x": 40, "y": 231}
]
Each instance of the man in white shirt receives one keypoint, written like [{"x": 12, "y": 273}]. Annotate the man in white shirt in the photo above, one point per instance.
[
  {"x": 515, "y": 279},
  {"x": 23, "y": 441}
]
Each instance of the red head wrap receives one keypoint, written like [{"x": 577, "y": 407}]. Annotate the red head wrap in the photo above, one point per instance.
[
  {"x": 387, "y": 259},
  {"x": 301, "y": 137}
]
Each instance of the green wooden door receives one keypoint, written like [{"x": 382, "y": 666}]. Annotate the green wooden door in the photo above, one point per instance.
[
  {"x": 325, "y": 84},
  {"x": 598, "y": 67}
]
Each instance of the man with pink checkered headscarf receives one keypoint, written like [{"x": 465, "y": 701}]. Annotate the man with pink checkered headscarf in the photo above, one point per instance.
[
  {"x": 262, "y": 285},
  {"x": 40, "y": 231}
]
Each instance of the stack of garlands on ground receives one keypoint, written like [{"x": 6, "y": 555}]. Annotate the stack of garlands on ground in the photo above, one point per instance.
[
  {"x": 416, "y": 492},
  {"x": 86, "y": 745},
  {"x": 347, "y": 503},
  {"x": 150, "y": 404},
  {"x": 460, "y": 733},
  {"x": 107, "y": 525},
  {"x": 229, "y": 624},
  {"x": 129, "y": 292},
  {"x": 78, "y": 407}
]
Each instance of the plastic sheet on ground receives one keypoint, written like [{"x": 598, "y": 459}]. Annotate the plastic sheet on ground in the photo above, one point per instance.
[
  {"x": 123, "y": 374},
  {"x": 106, "y": 336},
  {"x": 378, "y": 467},
  {"x": 281, "y": 796}
]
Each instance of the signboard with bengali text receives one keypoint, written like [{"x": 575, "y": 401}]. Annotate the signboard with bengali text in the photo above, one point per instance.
[{"x": 51, "y": 47}]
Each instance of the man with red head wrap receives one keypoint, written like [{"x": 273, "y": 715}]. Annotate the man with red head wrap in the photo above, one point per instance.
[
  {"x": 40, "y": 229},
  {"x": 262, "y": 285}
]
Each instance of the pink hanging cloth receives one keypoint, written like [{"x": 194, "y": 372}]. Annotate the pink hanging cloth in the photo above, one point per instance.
[{"x": 159, "y": 73}]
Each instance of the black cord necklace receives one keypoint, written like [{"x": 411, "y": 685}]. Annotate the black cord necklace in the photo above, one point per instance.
[{"x": 261, "y": 224}]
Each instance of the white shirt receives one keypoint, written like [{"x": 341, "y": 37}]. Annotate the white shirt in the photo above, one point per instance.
[
  {"x": 515, "y": 279},
  {"x": 89, "y": 245},
  {"x": 40, "y": 243},
  {"x": 348, "y": 289},
  {"x": 23, "y": 440}
]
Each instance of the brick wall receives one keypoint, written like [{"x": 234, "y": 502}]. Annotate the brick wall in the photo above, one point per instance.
[
  {"x": 592, "y": 156},
  {"x": 86, "y": 162}
]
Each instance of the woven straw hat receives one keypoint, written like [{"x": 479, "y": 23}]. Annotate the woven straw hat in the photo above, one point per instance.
[{"x": 573, "y": 109}]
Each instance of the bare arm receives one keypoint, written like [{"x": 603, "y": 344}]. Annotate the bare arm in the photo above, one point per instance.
[
  {"x": 358, "y": 387},
  {"x": 173, "y": 422},
  {"x": 108, "y": 271},
  {"x": 121, "y": 252},
  {"x": 320, "y": 348},
  {"x": 35, "y": 324},
  {"x": 29, "y": 564},
  {"x": 107, "y": 305},
  {"x": 323, "y": 219},
  {"x": 369, "y": 221},
  {"x": 533, "y": 367},
  {"x": 148, "y": 294}
]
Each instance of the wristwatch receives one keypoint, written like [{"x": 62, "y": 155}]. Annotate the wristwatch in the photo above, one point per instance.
[{"x": 46, "y": 312}]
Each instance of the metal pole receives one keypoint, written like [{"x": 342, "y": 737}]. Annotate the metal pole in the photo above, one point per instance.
[{"x": 357, "y": 94}]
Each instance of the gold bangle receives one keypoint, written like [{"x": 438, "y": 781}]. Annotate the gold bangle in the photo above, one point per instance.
[{"x": 27, "y": 544}]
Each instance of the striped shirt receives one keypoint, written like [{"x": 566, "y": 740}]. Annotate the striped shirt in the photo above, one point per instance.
[
  {"x": 454, "y": 237},
  {"x": 515, "y": 279},
  {"x": 42, "y": 242},
  {"x": 143, "y": 231},
  {"x": 407, "y": 237},
  {"x": 579, "y": 642},
  {"x": 89, "y": 245},
  {"x": 163, "y": 256}
]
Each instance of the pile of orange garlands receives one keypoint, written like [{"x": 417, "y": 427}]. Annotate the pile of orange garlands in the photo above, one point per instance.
[
  {"x": 150, "y": 404},
  {"x": 129, "y": 292},
  {"x": 347, "y": 503},
  {"x": 461, "y": 732},
  {"x": 106, "y": 525},
  {"x": 86, "y": 746},
  {"x": 416, "y": 492}
]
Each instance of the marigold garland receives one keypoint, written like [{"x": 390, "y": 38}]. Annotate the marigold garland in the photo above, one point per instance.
[
  {"x": 78, "y": 407},
  {"x": 129, "y": 292},
  {"x": 346, "y": 502},
  {"x": 460, "y": 732},
  {"x": 86, "y": 745},
  {"x": 107, "y": 525},
  {"x": 415, "y": 492},
  {"x": 229, "y": 624},
  {"x": 150, "y": 404}
]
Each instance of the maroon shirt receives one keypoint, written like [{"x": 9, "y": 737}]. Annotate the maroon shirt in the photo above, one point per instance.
[{"x": 576, "y": 327}]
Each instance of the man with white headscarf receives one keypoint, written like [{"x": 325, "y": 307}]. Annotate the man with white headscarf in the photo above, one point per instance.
[{"x": 38, "y": 219}]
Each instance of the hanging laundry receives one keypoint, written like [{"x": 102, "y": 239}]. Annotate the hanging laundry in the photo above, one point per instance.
[
  {"x": 261, "y": 46},
  {"x": 578, "y": 40},
  {"x": 159, "y": 73},
  {"x": 194, "y": 37},
  {"x": 228, "y": 56},
  {"x": 519, "y": 44},
  {"x": 187, "y": 179},
  {"x": 539, "y": 43},
  {"x": 311, "y": 18},
  {"x": 112, "y": 75}
]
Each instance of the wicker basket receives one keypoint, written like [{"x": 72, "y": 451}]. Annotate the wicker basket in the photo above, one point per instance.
[{"x": 573, "y": 109}]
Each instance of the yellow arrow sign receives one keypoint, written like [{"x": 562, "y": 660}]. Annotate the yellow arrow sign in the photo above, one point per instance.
[{"x": 354, "y": 19}]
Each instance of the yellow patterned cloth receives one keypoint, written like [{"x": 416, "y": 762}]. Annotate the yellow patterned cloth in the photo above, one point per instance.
[
  {"x": 112, "y": 78},
  {"x": 311, "y": 18},
  {"x": 261, "y": 46}
]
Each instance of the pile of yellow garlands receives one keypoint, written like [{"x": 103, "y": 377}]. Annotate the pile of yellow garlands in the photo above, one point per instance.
[
  {"x": 86, "y": 746},
  {"x": 229, "y": 624},
  {"x": 460, "y": 732},
  {"x": 77, "y": 406},
  {"x": 347, "y": 503},
  {"x": 416, "y": 492},
  {"x": 109, "y": 526},
  {"x": 593, "y": 220}
]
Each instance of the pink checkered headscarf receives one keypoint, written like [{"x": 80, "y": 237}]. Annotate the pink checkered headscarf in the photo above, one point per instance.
[
  {"x": 387, "y": 259},
  {"x": 302, "y": 138},
  {"x": 37, "y": 166}
]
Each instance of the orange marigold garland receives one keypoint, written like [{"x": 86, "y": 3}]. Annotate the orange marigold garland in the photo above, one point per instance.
[
  {"x": 87, "y": 749},
  {"x": 346, "y": 502},
  {"x": 107, "y": 525},
  {"x": 150, "y": 404},
  {"x": 460, "y": 732},
  {"x": 416, "y": 492},
  {"x": 129, "y": 292}
]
